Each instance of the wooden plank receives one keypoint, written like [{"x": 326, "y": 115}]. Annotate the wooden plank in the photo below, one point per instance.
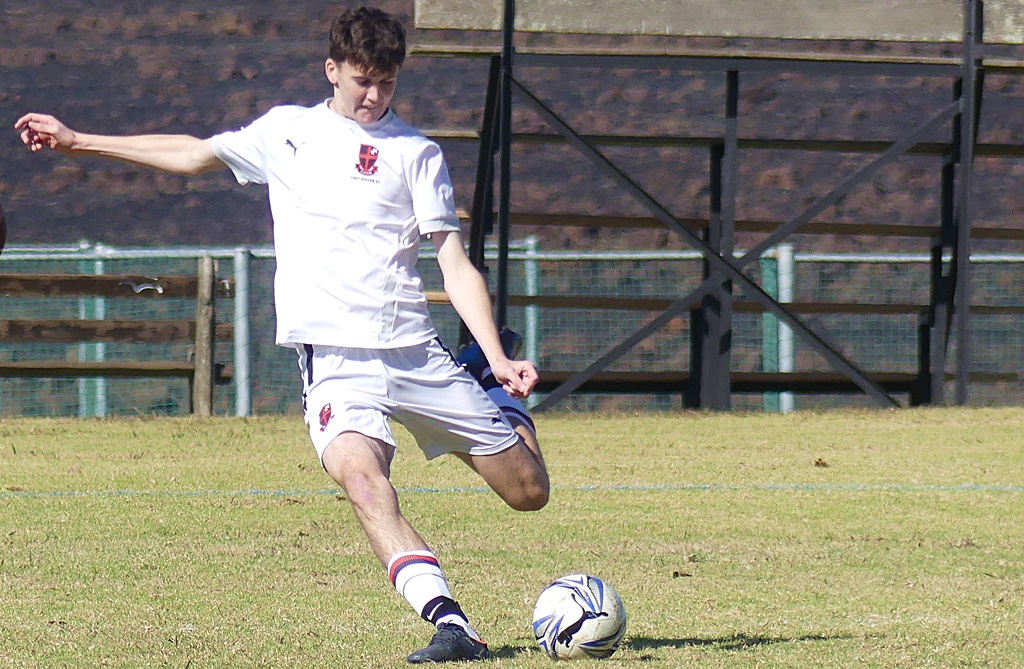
[
  {"x": 740, "y": 306},
  {"x": 626, "y": 383},
  {"x": 741, "y": 59},
  {"x": 134, "y": 369},
  {"x": 202, "y": 373},
  {"x": 88, "y": 285},
  {"x": 766, "y": 227},
  {"x": 881, "y": 20},
  {"x": 105, "y": 285},
  {"x": 986, "y": 150},
  {"x": 115, "y": 369},
  {"x": 740, "y": 382},
  {"x": 63, "y": 331}
]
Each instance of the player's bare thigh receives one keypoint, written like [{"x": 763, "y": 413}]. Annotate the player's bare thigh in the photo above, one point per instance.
[
  {"x": 516, "y": 474},
  {"x": 351, "y": 455},
  {"x": 362, "y": 466}
]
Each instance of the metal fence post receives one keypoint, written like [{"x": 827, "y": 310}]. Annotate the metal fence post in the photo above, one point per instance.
[
  {"x": 243, "y": 353},
  {"x": 532, "y": 271},
  {"x": 92, "y": 392},
  {"x": 777, "y": 276},
  {"x": 770, "y": 326},
  {"x": 787, "y": 356}
]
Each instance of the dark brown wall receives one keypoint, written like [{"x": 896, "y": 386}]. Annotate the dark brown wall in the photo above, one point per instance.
[{"x": 203, "y": 67}]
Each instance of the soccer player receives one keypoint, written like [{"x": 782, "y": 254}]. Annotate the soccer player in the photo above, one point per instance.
[{"x": 352, "y": 189}]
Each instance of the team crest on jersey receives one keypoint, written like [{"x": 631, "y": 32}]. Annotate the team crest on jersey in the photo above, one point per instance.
[
  {"x": 367, "y": 164},
  {"x": 325, "y": 416}
]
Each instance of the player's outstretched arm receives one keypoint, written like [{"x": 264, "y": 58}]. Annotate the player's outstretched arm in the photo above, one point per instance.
[
  {"x": 178, "y": 154},
  {"x": 468, "y": 293}
]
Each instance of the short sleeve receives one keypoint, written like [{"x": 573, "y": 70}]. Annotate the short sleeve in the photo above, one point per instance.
[
  {"x": 433, "y": 198},
  {"x": 244, "y": 151}
]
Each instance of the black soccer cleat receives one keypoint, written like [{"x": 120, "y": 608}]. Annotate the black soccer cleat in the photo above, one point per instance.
[
  {"x": 472, "y": 357},
  {"x": 451, "y": 644}
]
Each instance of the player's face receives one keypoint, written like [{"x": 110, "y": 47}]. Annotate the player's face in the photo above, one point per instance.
[{"x": 358, "y": 95}]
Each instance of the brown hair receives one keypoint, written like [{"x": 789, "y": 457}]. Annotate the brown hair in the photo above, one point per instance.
[{"x": 368, "y": 38}]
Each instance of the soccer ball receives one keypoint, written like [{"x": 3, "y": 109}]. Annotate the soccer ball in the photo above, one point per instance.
[{"x": 579, "y": 616}]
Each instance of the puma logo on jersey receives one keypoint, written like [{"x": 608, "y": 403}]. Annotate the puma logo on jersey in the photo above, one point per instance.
[{"x": 294, "y": 147}]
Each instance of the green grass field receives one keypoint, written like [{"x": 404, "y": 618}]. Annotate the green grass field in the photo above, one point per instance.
[{"x": 848, "y": 539}]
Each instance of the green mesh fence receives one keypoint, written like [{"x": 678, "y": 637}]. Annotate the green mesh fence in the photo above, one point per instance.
[
  {"x": 99, "y": 397},
  {"x": 558, "y": 339}
]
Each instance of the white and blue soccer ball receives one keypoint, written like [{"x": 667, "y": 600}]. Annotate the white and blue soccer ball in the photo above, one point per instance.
[{"x": 579, "y": 616}]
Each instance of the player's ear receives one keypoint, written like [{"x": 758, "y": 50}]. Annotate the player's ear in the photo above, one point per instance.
[{"x": 331, "y": 70}]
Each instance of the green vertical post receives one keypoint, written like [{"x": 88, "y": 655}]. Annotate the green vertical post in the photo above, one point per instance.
[{"x": 92, "y": 392}]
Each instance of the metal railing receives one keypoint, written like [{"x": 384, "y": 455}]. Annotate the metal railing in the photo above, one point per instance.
[{"x": 785, "y": 274}]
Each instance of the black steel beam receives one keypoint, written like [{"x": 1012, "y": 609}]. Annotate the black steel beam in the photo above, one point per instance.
[
  {"x": 895, "y": 150},
  {"x": 970, "y": 102},
  {"x": 481, "y": 221},
  {"x": 726, "y": 266},
  {"x": 741, "y": 64},
  {"x": 482, "y": 210},
  {"x": 712, "y": 362},
  {"x": 987, "y": 150},
  {"x": 720, "y": 269},
  {"x": 505, "y": 144}
]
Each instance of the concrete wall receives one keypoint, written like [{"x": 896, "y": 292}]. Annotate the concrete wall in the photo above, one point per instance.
[{"x": 887, "y": 20}]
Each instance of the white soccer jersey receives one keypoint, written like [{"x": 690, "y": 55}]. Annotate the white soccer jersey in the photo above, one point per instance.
[{"x": 349, "y": 203}]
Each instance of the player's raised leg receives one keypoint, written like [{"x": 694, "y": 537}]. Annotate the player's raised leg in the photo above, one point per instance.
[{"x": 518, "y": 475}]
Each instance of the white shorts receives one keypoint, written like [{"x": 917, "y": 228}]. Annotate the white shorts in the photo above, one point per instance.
[{"x": 421, "y": 387}]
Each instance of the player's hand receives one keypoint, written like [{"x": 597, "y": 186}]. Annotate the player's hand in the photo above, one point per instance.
[
  {"x": 517, "y": 377},
  {"x": 42, "y": 131}
]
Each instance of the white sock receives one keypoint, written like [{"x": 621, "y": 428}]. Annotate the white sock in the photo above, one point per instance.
[{"x": 418, "y": 578}]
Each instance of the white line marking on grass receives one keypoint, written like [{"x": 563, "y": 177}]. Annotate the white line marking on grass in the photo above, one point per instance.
[{"x": 684, "y": 487}]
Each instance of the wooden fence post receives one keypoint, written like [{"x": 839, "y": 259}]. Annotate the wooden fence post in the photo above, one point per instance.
[{"x": 202, "y": 385}]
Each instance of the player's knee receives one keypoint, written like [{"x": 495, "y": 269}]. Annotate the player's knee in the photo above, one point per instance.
[
  {"x": 532, "y": 496},
  {"x": 538, "y": 499},
  {"x": 366, "y": 492}
]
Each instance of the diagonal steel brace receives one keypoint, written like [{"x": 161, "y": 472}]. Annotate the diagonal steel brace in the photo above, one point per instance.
[{"x": 722, "y": 266}]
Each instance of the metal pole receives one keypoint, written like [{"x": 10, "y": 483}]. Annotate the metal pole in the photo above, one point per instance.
[
  {"x": 770, "y": 327},
  {"x": 726, "y": 267},
  {"x": 727, "y": 241},
  {"x": 505, "y": 141},
  {"x": 777, "y": 276},
  {"x": 787, "y": 357},
  {"x": 706, "y": 327},
  {"x": 243, "y": 353},
  {"x": 962, "y": 298},
  {"x": 92, "y": 393},
  {"x": 532, "y": 344},
  {"x": 532, "y": 271},
  {"x": 482, "y": 215}
]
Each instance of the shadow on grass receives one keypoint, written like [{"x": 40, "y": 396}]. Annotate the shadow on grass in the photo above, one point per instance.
[
  {"x": 508, "y": 652},
  {"x": 734, "y": 642},
  {"x": 640, "y": 644}
]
